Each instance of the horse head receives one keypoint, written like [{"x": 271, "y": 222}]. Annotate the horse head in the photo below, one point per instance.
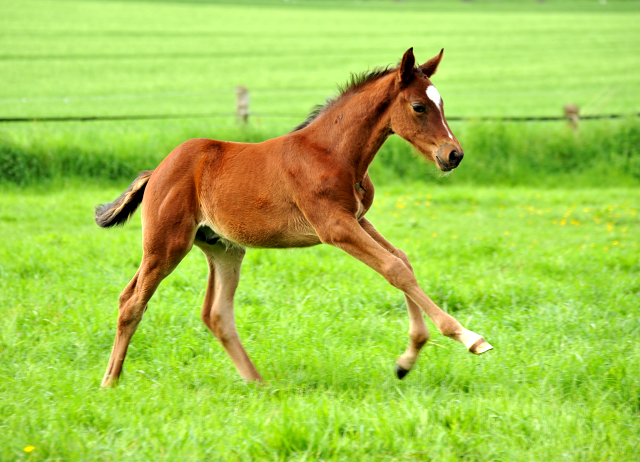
[{"x": 417, "y": 114}]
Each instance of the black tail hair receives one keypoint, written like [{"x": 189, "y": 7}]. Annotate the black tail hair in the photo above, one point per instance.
[{"x": 119, "y": 211}]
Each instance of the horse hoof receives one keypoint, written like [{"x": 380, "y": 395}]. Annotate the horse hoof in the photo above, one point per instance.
[
  {"x": 401, "y": 372},
  {"x": 480, "y": 346}
]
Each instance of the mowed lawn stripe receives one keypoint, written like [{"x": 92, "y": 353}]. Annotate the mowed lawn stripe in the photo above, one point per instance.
[{"x": 527, "y": 61}]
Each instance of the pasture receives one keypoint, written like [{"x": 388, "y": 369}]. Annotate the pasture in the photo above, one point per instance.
[
  {"x": 549, "y": 277},
  {"x": 532, "y": 241}
]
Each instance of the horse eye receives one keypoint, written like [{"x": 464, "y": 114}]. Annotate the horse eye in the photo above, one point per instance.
[{"x": 418, "y": 107}]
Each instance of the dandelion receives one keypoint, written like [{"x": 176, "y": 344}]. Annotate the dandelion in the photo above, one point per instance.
[
  {"x": 506, "y": 233},
  {"x": 575, "y": 222},
  {"x": 586, "y": 210},
  {"x": 512, "y": 244},
  {"x": 606, "y": 247},
  {"x": 400, "y": 206},
  {"x": 29, "y": 448},
  {"x": 624, "y": 230},
  {"x": 616, "y": 242},
  {"x": 434, "y": 235},
  {"x": 563, "y": 222},
  {"x": 609, "y": 227}
]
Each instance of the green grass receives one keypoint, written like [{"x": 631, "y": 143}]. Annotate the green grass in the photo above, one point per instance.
[
  {"x": 550, "y": 277},
  {"x": 501, "y": 58},
  {"x": 75, "y": 58},
  {"x": 548, "y": 271},
  {"x": 600, "y": 154}
]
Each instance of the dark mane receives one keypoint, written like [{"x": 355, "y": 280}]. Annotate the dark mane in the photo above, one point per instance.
[{"x": 355, "y": 83}]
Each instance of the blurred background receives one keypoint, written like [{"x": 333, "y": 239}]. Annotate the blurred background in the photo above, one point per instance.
[{"x": 168, "y": 70}]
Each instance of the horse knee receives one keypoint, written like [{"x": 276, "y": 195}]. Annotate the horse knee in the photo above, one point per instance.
[
  {"x": 206, "y": 319},
  {"x": 130, "y": 315},
  {"x": 220, "y": 326},
  {"x": 131, "y": 308},
  {"x": 419, "y": 338},
  {"x": 403, "y": 256},
  {"x": 399, "y": 275}
]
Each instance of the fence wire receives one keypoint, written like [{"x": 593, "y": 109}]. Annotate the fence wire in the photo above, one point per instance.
[
  {"x": 296, "y": 116},
  {"x": 92, "y": 118}
]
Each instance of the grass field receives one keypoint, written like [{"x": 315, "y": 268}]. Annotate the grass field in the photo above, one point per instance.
[
  {"x": 532, "y": 242},
  {"x": 502, "y": 58},
  {"x": 106, "y": 58},
  {"x": 549, "y": 277}
]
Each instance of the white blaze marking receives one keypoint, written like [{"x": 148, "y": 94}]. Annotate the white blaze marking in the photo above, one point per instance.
[{"x": 433, "y": 95}]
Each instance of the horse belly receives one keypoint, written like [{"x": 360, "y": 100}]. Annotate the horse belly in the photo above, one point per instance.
[{"x": 262, "y": 227}]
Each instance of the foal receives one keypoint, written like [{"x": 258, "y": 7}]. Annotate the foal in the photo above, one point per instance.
[{"x": 308, "y": 187}]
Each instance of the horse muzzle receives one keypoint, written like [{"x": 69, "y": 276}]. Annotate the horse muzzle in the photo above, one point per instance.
[{"x": 448, "y": 157}]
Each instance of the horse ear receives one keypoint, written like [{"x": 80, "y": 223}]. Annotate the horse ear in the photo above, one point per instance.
[
  {"x": 430, "y": 67},
  {"x": 405, "y": 71}
]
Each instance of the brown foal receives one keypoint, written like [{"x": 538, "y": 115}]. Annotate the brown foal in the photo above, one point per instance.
[{"x": 308, "y": 187}]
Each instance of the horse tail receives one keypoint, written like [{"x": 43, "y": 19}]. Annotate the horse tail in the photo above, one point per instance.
[{"x": 119, "y": 211}]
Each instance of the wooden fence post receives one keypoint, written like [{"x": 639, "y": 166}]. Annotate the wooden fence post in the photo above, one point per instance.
[
  {"x": 242, "y": 104},
  {"x": 572, "y": 113}
]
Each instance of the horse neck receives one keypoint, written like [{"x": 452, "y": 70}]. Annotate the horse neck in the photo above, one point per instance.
[{"x": 354, "y": 128}]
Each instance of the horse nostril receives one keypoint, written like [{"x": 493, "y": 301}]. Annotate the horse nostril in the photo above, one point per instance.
[{"x": 455, "y": 157}]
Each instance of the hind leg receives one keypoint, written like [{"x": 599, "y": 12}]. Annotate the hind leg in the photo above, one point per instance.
[
  {"x": 418, "y": 332},
  {"x": 217, "y": 309},
  {"x": 162, "y": 253}
]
